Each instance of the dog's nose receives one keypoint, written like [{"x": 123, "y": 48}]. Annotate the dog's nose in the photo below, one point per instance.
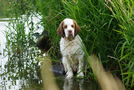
[{"x": 70, "y": 31}]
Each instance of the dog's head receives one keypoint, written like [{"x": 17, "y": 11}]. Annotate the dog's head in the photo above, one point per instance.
[{"x": 68, "y": 28}]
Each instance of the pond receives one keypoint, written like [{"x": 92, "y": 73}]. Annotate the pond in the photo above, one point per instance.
[{"x": 22, "y": 71}]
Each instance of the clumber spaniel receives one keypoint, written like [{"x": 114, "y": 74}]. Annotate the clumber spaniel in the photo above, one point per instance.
[{"x": 71, "y": 48}]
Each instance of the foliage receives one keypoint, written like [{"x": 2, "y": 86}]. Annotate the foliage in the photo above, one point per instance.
[
  {"x": 124, "y": 14},
  {"x": 3, "y": 4},
  {"x": 16, "y": 8},
  {"x": 22, "y": 55},
  {"x": 106, "y": 29}
]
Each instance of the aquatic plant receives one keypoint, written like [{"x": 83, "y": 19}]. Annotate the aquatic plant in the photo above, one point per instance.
[
  {"x": 22, "y": 61},
  {"x": 106, "y": 30}
]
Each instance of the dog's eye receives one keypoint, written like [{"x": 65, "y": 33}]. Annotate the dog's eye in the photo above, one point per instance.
[
  {"x": 72, "y": 26},
  {"x": 65, "y": 27}
]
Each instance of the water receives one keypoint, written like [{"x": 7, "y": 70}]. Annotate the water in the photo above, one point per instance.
[
  {"x": 4, "y": 82},
  {"x": 21, "y": 71},
  {"x": 3, "y": 25},
  {"x": 15, "y": 72}
]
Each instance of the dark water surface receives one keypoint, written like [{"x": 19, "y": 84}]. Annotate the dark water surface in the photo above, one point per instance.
[{"x": 75, "y": 84}]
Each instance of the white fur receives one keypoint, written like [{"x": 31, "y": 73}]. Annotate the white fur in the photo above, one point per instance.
[{"x": 72, "y": 52}]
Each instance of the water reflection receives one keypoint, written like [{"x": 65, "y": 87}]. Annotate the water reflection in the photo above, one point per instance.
[
  {"x": 54, "y": 81},
  {"x": 19, "y": 67},
  {"x": 70, "y": 84},
  {"x": 2, "y": 36},
  {"x": 77, "y": 84},
  {"x": 17, "y": 70}
]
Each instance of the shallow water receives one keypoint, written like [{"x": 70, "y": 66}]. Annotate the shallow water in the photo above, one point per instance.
[
  {"x": 14, "y": 75},
  {"x": 22, "y": 72}
]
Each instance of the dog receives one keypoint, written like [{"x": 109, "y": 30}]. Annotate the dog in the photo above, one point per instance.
[{"x": 71, "y": 48}]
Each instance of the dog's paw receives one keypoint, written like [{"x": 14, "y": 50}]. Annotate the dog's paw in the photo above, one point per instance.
[
  {"x": 69, "y": 75},
  {"x": 80, "y": 75}
]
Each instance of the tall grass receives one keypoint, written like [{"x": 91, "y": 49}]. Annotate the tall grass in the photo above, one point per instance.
[
  {"x": 106, "y": 30},
  {"x": 3, "y": 4},
  {"x": 123, "y": 12},
  {"x": 22, "y": 61}
]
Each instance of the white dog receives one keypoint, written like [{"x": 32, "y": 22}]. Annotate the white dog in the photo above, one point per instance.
[{"x": 71, "y": 47}]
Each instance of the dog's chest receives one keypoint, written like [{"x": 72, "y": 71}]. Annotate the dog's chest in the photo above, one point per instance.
[{"x": 71, "y": 48}]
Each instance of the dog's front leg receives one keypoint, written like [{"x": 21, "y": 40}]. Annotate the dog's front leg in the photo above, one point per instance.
[
  {"x": 67, "y": 67},
  {"x": 80, "y": 67}
]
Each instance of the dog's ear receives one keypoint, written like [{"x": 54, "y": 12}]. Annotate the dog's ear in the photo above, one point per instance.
[
  {"x": 60, "y": 30},
  {"x": 77, "y": 28}
]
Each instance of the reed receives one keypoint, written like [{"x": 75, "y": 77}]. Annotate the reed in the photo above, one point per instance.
[
  {"x": 123, "y": 12},
  {"x": 106, "y": 30}
]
